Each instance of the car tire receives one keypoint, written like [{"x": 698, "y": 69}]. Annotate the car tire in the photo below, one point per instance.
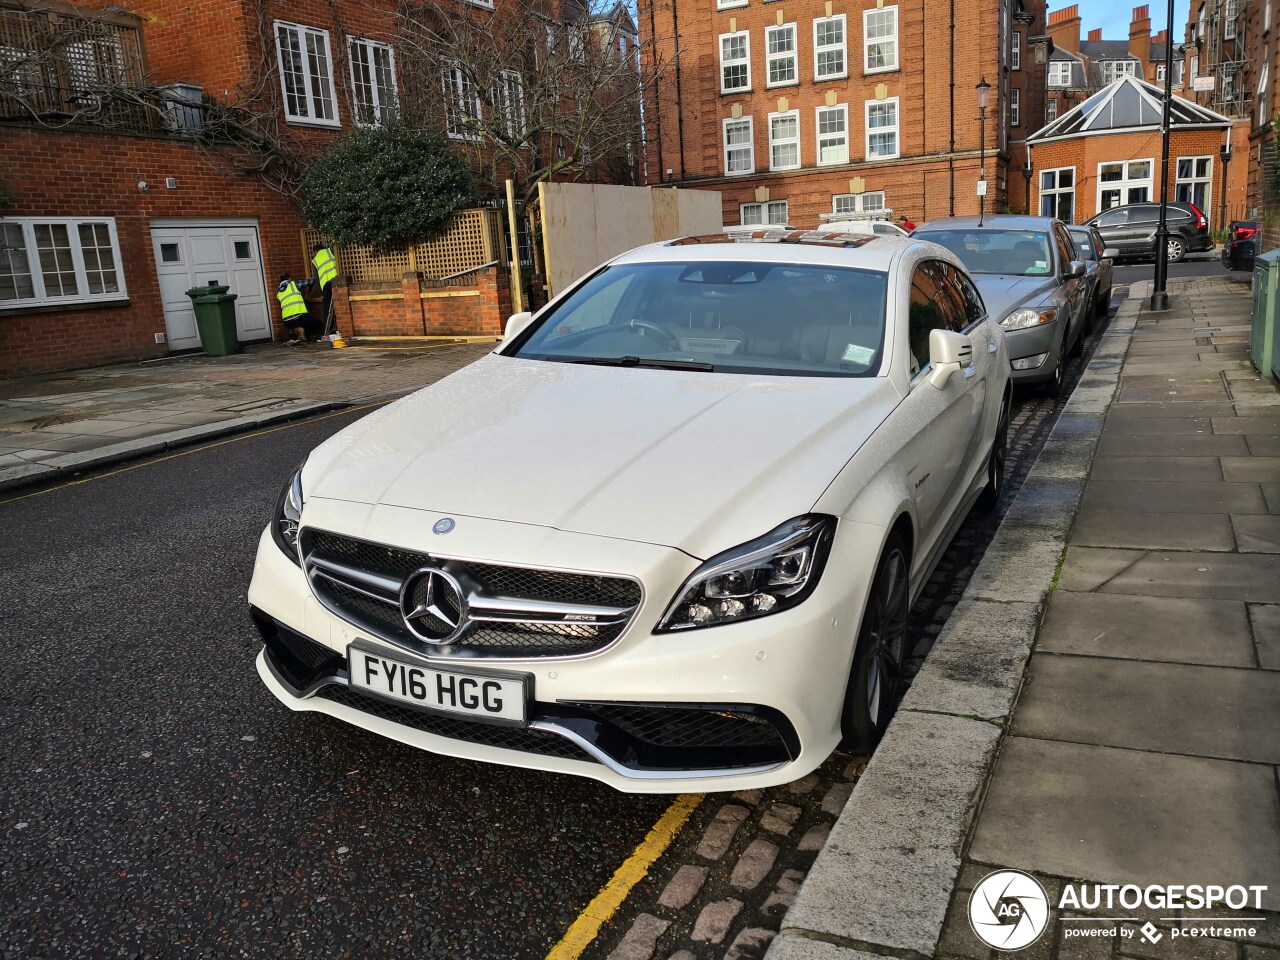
[
  {"x": 1175, "y": 249},
  {"x": 876, "y": 681},
  {"x": 1103, "y": 306},
  {"x": 997, "y": 459},
  {"x": 1053, "y": 386}
]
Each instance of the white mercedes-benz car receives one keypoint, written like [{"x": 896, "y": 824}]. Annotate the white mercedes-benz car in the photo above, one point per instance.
[{"x": 667, "y": 535}]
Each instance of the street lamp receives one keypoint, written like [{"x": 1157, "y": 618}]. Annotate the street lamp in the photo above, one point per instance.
[
  {"x": 1225, "y": 152},
  {"x": 1027, "y": 170},
  {"x": 1159, "y": 296},
  {"x": 984, "y": 94}
]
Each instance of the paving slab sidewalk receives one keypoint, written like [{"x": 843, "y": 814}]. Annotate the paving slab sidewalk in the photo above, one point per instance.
[
  {"x": 1145, "y": 744},
  {"x": 1103, "y": 704},
  {"x": 60, "y": 424}
]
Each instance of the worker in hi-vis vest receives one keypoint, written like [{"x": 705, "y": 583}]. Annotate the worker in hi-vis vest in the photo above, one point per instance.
[
  {"x": 326, "y": 272},
  {"x": 293, "y": 309}
]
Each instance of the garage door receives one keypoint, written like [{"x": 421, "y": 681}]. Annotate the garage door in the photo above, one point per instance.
[{"x": 192, "y": 254}]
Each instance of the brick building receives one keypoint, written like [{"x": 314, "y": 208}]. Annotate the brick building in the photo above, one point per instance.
[
  {"x": 117, "y": 203},
  {"x": 1231, "y": 45},
  {"x": 1105, "y": 152},
  {"x": 797, "y": 108}
]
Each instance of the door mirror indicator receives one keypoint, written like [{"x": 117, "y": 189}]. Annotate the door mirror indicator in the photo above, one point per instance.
[
  {"x": 949, "y": 353},
  {"x": 516, "y": 323}
]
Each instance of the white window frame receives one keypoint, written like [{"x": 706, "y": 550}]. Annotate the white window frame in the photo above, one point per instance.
[
  {"x": 730, "y": 4},
  {"x": 1016, "y": 62},
  {"x": 1056, "y": 67},
  {"x": 1050, "y": 109},
  {"x": 784, "y": 141},
  {"x": 765, "y": 211},
  {"x": 843, "y": 110},
  {"x": 750, "y": 145},
  {"x": 896, "y": 128},
  {"x": 1195, "y": 67},
  {"x": 868, "y": 41},
  {"x": 1056, "y": 190},
  {"x": 746, "y": 58},
  {"x": 382, "y": 111},
  {"x": 1195, "y": 179},
  {"x": 511, "y": 107},
  {"x": 309, "y": 81},
  {"x": 857, "y": 204},
  {"x": 1179, "y": 69},
  {"x": 1015, "y": 107},
  {"x": 1125, "y": 183},
  {"x": 842, "y": 46},
  {"x": 793, "y": 56},
  {"x": 1260, "y": 97},
  {"x": 453, "y": 80},
  {"x": 1230, "y": 11},
  {"x": 1160, "y": 73},
  {"x": 41, "y": 298}
]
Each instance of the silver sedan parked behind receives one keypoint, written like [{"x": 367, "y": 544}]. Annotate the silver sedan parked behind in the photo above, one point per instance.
[
  {"x": 1031, "y": 281},
  {"x": 1098, "y": 258}
]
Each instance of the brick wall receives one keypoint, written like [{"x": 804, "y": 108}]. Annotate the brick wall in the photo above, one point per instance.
[
  {"x": 685, "y": 121},
  {"x": 477, "y": 304},
  {"x": 1086, "y": 153},
  {"x": 62, "y": 174}
]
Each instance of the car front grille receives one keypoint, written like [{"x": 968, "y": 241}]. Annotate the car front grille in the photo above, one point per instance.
[
  {"x": 680, "y": 727},
  {"x": 487, "y": 734},
  {"x": 515, "y": 612}
]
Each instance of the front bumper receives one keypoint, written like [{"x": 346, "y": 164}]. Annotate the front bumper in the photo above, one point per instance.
[
  {"x": 746, "y": 705},
  {"x": 1033, "y": 341}
]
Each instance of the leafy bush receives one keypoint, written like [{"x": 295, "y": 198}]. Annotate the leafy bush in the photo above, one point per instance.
[{"x": 386, "y": 186}]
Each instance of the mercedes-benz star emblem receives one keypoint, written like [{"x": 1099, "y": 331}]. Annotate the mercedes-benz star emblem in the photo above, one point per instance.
[
  {"x": 443, "y": 526},
  {"x": 434, "y": 605}
]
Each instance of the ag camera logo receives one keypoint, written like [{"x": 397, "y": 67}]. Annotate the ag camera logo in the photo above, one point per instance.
[{"x": 1008, "y": 910}]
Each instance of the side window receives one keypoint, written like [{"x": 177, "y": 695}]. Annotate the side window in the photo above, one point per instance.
[
  {"x": 597, "y": 309},
  {"x": 1144, "y": 214},
  {"x": 1066, "y": 252},
  {"x": 934, "y": 306},
  {"x": 1113, "y": 218},
  {"x": 974, "y": 308}
]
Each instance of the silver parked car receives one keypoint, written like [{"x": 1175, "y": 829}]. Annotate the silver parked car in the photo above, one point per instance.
[
  {"x": 1098, "y": 258},
  {"x": 1031, "y": 280}
]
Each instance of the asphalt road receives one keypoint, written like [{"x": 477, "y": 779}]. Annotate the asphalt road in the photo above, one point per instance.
[
  {"x": 1195, "y": 265},
  {"x": 156, "y": 801}
]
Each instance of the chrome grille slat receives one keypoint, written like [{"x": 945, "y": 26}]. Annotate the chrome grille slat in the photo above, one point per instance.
[{"x": 513, "y": 612}]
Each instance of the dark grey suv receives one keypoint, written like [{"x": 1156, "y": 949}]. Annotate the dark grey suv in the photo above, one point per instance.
[{"x": 1131, "y": 230}]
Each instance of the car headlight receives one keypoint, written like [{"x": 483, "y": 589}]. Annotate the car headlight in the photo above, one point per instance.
[
  {"x": 1021, "y": 319},
  {"x": 288, "y": 513},
  {"x": 767, "y": 575}
]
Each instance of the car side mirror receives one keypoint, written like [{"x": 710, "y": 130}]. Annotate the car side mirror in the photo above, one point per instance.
[
  {"x": 1078, "y": 268},
  {"x": 1110, "y": 253},
  {"x": 949, "y": 353},
  {"x": 516, "y": 324}
]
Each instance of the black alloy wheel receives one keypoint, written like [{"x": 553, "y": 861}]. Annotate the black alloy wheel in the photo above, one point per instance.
[{"x": 877, "y": 681}]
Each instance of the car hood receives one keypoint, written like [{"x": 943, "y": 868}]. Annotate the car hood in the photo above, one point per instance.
[
  {"x": 1002, "y": 293},
  {"x": 695, "y": 461}
]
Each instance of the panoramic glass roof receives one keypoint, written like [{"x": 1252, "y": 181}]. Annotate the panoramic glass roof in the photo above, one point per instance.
[{"x": 1124, "y": 104}]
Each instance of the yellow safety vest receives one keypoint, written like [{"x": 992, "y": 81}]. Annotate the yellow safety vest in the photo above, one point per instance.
[
  {"x": 326, "y": 266},
  {"x": 291, "y": 302}
]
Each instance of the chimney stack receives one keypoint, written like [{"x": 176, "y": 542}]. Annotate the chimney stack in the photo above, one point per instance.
[
  {"x": 1140, "y": 37},
  {"x": 1063, "y": 28},
  {"x": 1095, "y": 34}
]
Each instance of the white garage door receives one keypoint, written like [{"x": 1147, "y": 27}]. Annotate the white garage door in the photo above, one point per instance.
[{"x": 193, "y": 253}]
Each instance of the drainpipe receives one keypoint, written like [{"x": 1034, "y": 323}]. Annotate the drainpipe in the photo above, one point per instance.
[
  {"x": 657, "y": 98},
  {"x": 675, "y": 24},
  {"x": 951, "y": 154}
]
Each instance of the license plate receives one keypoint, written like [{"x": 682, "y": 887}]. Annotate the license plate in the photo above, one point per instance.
[{"x": 476, "y": 695}]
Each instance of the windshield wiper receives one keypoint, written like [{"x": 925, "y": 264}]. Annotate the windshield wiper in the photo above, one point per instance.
[{"x": 645, "y": 362}]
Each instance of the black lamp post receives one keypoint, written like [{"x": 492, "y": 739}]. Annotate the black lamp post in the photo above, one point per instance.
[
  {"x": 984, "y": 93},
  {"x": 1225, "y": 152},
  {"x": 1159, "y": 296}
]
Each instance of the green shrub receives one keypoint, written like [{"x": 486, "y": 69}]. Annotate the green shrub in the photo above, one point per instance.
[{"x": 386, "y": 186}]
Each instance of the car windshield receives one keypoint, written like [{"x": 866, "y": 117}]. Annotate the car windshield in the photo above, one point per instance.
[
  {"x": 1018, "y": 252},
  {"x": 781, "y": 319},
  {"x": 1084, "y": 244}
]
